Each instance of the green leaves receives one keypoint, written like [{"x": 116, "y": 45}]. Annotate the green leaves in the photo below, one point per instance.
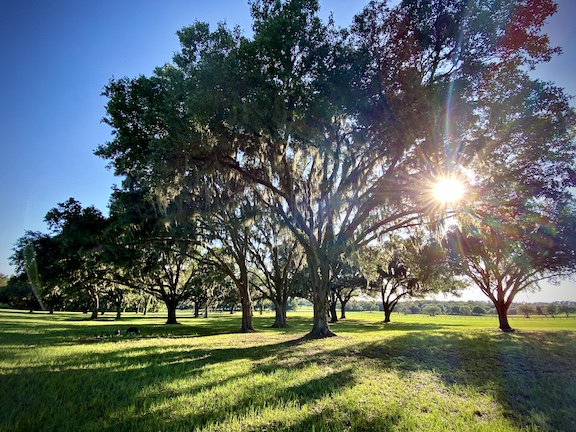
[{"x": 339, "y": 131}]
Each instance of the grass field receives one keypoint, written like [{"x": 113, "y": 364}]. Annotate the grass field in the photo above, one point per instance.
[{"x": 63, "y": 373}]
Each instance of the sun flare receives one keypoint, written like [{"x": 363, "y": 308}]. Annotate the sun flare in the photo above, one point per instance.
[{"x": 448, "y": 190}]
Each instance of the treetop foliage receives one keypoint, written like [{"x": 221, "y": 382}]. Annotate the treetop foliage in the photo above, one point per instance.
[{"x": 344, "y": 132}]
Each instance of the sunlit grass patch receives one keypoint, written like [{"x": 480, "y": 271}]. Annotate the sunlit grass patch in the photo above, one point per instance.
[{"x": 417, "y": 373}]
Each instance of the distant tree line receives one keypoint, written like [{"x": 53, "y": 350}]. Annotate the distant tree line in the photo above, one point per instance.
[
  {"x": 546, "y": 309},
  {"x": 477, "y": 308}
]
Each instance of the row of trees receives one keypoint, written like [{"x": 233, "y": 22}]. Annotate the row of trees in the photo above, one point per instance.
[
  {"x": 16, "y": 292},
  {"x": 281, "y": 159},
  {"x": 135, "y": 256},
  {"x": 549, "y": 309},
  {"x": 480, "y": 308}
]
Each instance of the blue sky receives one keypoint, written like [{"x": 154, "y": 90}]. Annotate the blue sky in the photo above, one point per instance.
[{"x": 56, "y": 58}]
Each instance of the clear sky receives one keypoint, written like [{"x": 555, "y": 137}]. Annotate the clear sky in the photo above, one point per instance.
[{"x": 57, "y": 56}]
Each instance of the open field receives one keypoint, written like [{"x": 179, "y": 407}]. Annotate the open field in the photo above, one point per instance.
[{"x": 61, "y": 372}]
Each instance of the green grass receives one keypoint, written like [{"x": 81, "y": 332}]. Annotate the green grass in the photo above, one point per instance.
[{"x": 63, "y": 373}]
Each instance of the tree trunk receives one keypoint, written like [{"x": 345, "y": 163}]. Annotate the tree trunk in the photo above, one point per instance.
[
  {"x": 206, "y": 306},
  {"x": 343, "y": 309},
  {"x": 280, "y": 320},
  {"x": 245, "y": 299},
  {"x": 95, "y": 306},
  {"x": 503, "y": 317},
  {"x": 319, "y": 271},
  {"x": 196, "y": 309},
  {"x": 333, "y": 313},
  {"x": 146, "y": 304},
  {"x": 171, "y": 305},
  {"x": 387, "y": 307},
  {"x": 320, "y": 327},
  {"x": 119, "y": 310},
  {"x": 387, "y": 313},
  {"x": 246, "y": 316}
]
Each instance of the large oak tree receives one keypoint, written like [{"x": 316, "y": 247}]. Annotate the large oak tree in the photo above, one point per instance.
[
  {"x": 342, "y": 133},
  {"x": 149, "y": 249},
  {"x": 68, "y": 259},
  {"x": 513, "y": 251}
]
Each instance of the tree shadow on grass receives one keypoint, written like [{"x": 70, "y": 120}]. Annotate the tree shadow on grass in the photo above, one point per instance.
[
  {"x": 360, "y": 326},
  {"x": 530, "y": 374},
  {"x": 67, "y": 329},
  {"x": 121, "y": 389},
  {"x": 249, "y": 400},
  {"x": 130, "y": 387}
]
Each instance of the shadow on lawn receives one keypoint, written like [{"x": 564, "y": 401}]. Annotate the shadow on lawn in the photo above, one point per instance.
[
  {"x": 530, "y": 374},
  {"x": 361, "y": 326},
  {"x": 527, "y": 373},
  {"x": 140, "y": 381},
  {"x": 42, "y": 329}
]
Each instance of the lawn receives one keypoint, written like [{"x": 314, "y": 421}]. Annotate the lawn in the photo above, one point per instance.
[{"x": 63, "y": 373}]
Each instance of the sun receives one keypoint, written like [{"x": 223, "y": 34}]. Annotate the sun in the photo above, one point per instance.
[{"x": 448, "y": 190}]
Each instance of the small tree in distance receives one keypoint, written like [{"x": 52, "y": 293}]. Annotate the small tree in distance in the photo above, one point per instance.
[
  {"x": 406, "y": 268},
  {"x": 477, "y": 310},
  {"x": 431, "y": 310},
  {"x": 566, "y": 309},
  {"x": 552, "y": 309},
  {"x": 526, "y": 309},
  {"x": 347, "y": 280},
  {"x": 414, "y": 309},
  {"x": 511, "y": 251}
]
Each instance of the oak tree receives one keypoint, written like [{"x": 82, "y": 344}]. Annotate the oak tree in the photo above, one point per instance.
[{"x": 342, "y": 133}]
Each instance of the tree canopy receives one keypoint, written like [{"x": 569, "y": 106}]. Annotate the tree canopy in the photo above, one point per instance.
[
  {"x": 344, "y": 132},
  {"x": 510, "y": 253}
]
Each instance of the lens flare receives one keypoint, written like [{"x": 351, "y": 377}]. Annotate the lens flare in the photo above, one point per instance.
[{"x": 448, "y": 190}]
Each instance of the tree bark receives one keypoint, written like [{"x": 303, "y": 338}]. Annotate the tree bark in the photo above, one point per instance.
[
  {"x": 118, "y": 311},
  {"x": 319, "y": 278},
  {"x": 502, "y": 310},
  {"x": 333, "y": 313},
  {"x": 280, "y": 319},
  {"x": 146, "y": 304},
  {"x": 171, "y": 305},
  {"x": 196, "y": 309},
  {"x": 246, "y": 316},
  {"x": 343, "y": 309},
  {"x": 245, "y": 299},
  {"x": 387, "y": 313},
  {"x": 332, "y": 307},
  {"x": 388, "y": 308},
  {"x": 320, "y": 328},
  {"x": 95, "y": 306}
]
